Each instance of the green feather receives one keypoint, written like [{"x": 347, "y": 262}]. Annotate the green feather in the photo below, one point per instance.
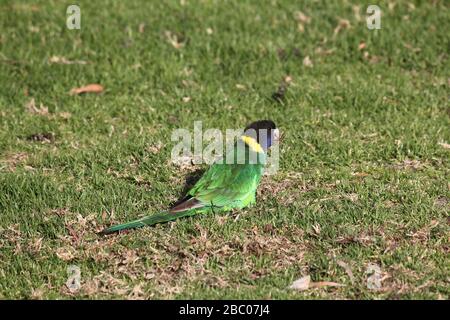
[{"x": 149, "y": 221}]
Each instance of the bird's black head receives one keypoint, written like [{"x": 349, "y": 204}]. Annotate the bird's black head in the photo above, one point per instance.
[{"x": 265, "y": 132}]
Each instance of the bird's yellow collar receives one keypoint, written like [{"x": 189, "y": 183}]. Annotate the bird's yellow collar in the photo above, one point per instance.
[{"x": 253, "y": 144}]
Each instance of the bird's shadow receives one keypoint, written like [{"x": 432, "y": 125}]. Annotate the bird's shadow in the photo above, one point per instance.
[{"x": 190, "y": 181}]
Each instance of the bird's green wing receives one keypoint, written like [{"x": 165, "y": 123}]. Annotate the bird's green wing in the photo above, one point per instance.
[{"x": 229, "y": 185}]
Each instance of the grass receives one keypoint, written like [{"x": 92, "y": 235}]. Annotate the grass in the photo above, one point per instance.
[{"x": 364, "y": 172}]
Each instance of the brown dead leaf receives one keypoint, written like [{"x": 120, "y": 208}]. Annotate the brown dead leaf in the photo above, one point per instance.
[
  {"x": 371, "y": 58},
  {"x": 65, "y": 253},
  {"x": 324, "y": 52},
  {"x": 305, "y": 283},
  {"x": 31, "y": 107},
  {"x": 444, "y": 145},
  {"x": 359, "y": 174},
  {"x": 408, "y": 164},
  {"x": 287, "y": 79},
  {"x": 64, "y": 115},
  {"x": 411, "y": 48},
  {"x": 155, "y": 148},
  {"x": 141, "y": 27},
  {"x": 269, "y": 228},
  {"x": 325, "y": 284},
  {"x": 353, "y": 197},
  {"x": 91, "y": 287},
  {"x": 316, "y": 228},
  {"x": 106, "y": 283},
  {"x": 137, "y": 293},
  {"x": 42, "y": 110},
  {"x": 347, "y": 269},
  {"x": 389, "y": 204},
  {"x": 423, "y": 234},
  {"x": 302, "y": 20},
  {"x": 177, "y": 41},
  {"x": 362, "y": 45},
  {"x": 34, "y": 29},
  {"x": 307, "y": 62},
  {"x": 301, "y": 17},
  {"x": 361, "y": 239},
  {"x": 37, "y": 293},
  {"x": 129, "y": 257},
  {"x": 342, "y": 25},
  {"x": 35, "y": 245},
  {"x": 90, "y": 88},
  {"x": 63, "y": 60}
]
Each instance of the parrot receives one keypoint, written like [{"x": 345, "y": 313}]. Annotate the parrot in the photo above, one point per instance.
[{"x": 229, "y": 183}]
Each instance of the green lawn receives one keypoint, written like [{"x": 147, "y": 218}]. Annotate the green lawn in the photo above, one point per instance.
[{"x": 364, "y": 166}]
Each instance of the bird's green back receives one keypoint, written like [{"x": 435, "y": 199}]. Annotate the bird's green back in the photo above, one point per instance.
[{"x": 231, "y": 185}]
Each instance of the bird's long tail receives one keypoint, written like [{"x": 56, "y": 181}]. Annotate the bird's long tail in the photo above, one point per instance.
[{"x": 149, "y": 220}]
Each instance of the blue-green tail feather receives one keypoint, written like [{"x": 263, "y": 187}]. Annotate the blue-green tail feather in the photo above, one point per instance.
[{"x": 149, "y": 221}]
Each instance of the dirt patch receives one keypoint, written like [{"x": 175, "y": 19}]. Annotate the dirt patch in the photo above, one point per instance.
[
  {"x": 408, "y": 164},
  {"x": 287, "y": 188},
  {"x": 13, "y": 160},
  {"x": 167, "y": 261}
]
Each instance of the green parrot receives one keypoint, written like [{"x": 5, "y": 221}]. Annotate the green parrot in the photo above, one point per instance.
[{"x": 229, "y": 183}]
